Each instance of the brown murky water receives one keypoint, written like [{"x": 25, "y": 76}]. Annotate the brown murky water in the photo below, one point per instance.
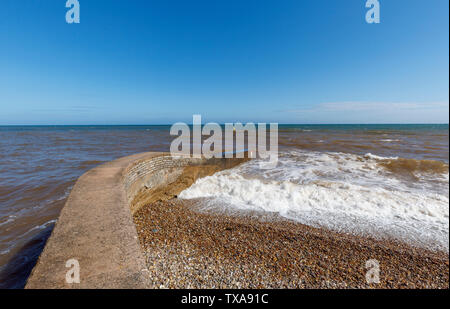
[{"x": 39, "y": 166}]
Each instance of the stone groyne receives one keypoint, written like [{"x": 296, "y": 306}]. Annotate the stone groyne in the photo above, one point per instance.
[{"x": 96, "y": 229}]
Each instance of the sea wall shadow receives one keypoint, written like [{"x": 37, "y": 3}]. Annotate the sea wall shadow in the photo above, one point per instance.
[{"x": 15, "y": 273}]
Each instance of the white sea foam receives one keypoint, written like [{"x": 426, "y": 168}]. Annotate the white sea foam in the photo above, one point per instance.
[
  {"x": 3, "y": 252},
  {"x": 343, "y": 192},
  {"x": 7, "y": 221},
  {"x": 390, "y": 140},
  {"x": 42, "y": 226},
  {"x": 372, "y": 156}
]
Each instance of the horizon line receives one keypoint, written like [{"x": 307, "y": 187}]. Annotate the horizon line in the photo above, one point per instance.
[{"x": 223, "y": 123}]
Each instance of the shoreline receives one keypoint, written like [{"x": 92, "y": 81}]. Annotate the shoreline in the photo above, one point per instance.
[
  {"x": 106, "y": 228},
  {"x": 185, "y": 248}
]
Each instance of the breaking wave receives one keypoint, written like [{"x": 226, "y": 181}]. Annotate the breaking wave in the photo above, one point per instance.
[{"x": 342, "y": 192}]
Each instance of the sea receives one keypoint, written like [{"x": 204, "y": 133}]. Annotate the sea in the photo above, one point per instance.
[{"x": 388, "y": 181}]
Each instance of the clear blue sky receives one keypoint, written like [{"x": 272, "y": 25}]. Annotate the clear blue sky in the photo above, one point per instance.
[{"x": 154, "y": 62}]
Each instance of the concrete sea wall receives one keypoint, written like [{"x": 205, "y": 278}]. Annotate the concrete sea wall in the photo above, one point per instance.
[{"x": 96, "y": 227}]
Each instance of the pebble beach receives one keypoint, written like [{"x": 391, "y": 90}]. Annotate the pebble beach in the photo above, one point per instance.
[{"x": 188, "y": 248}]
